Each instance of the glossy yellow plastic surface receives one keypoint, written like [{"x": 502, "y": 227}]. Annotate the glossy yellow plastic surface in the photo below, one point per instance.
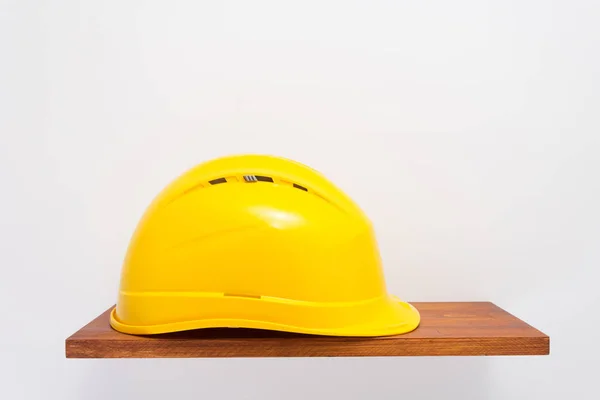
[{"x": 256, "y": 242}]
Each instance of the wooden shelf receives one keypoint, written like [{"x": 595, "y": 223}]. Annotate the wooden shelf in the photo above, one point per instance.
[{"x": 447, "y": 329}]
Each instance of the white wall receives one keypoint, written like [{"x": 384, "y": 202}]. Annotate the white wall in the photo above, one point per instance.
[{"x": 467, "y": 130}]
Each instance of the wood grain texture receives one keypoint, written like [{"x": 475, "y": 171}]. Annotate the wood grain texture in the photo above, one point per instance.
[{"x": 447, "y": 329}]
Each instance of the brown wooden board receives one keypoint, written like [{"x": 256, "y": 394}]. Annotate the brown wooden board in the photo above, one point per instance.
[{"x": 447, "y": 329}]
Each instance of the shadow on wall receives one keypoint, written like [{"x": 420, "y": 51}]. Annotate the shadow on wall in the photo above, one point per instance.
[{"x": 293, "y": 378}]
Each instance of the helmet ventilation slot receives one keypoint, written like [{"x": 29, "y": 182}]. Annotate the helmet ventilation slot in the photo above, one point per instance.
[
  {"x": 217, "y": 181},
  {"x": 264, "y": 178},
  {"x": 258, "y": 178}
]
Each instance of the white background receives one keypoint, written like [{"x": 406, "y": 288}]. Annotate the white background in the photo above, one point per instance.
[{"x": 467, "y": 130}]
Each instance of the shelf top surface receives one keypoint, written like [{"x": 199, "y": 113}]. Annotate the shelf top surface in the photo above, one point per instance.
[{"x": 447, "y": 328}]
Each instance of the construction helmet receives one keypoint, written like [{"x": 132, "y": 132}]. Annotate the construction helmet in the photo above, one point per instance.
[{"x": 256, "y": 242}]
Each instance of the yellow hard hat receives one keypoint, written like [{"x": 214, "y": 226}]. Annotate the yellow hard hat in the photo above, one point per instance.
[{"x": 256, "y": 242}]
